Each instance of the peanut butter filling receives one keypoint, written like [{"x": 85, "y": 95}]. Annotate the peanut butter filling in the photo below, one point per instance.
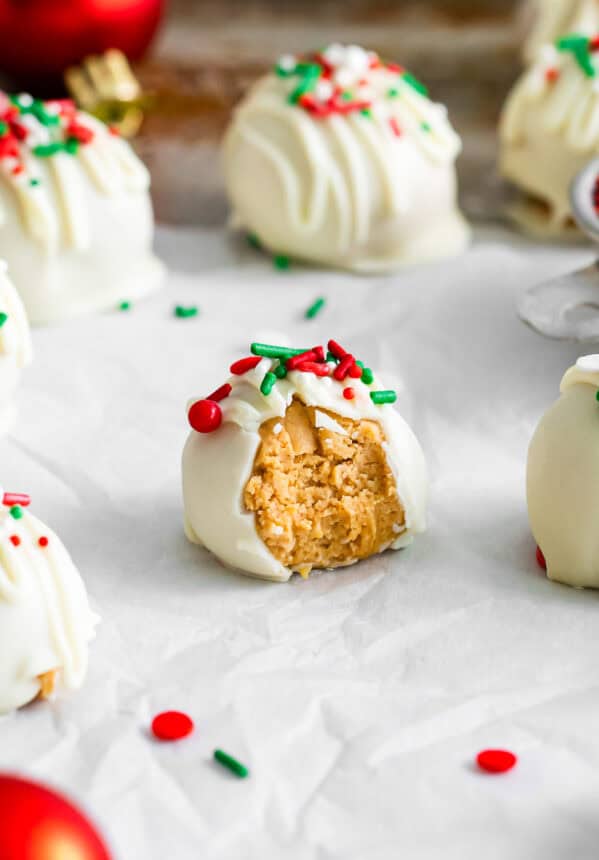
[
  {"x": 47, "y": 684},
  {"x": 322, "y": 496}
]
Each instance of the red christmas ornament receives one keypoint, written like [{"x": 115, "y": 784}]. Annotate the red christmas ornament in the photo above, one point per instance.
[
  {"x": 205, "y": 416},
  {"x": 541, "y": 559},
  {"x": 38, "y": 824},
  {"x": 496, "y": 761},
  {"x": 38, "y": 39},
  {"x": 172, "y": 726}
]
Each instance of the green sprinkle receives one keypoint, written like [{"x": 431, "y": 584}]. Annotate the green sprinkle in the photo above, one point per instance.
[
  {"x": 3, "y": 318},
  {"x": 315, "y": 308},
  {"x": 3, "y": 128},
  {"x": 185, "y": 312},
  {"x": 71, "y": 146},
  {"x": 366, "y": 112},
  {"x": 346, "y": 96},
  {"x": 310, "y": 74},
  {"x": 380, "y": 397},
  {"x": 46, "y": 150},
  {"x": 579, "y": 46},
  {"x": 231, "y": 764},
  {"x": 425, "y": 126},
  {"x": 35, "y": 182},
  {"x": 268, "y": 383},
  {"x": 285, "y": 73},
  {"x": 367, "y": 376},
  {"x": 392, "y": 93},
  {"x": 16, "y": 512},
  {"x": 253, "y": 241},
  {"x": 597, "y": 395},
  {"x": 331, "y": 357},
  {"x": 414, "y": 83},
  {"x": 280, "y": 371},
  {"x": 360, "y": 363},
  {"x": 125, "y": 306},
  {"x": 265, "y": 350},
  {"x": 281, "y": 262}
]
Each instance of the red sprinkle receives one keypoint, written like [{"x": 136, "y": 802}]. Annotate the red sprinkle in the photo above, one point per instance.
[
  {"x": 349, "y": 393},
  {"x": 294, "y": 361},
  {"x": 313, "y": 367},
  {"x": 355, "y": 371},
  {"x": 43, "y": 541},
  {"x": 244, "y": 364},
  {"x": 336, "y": 350},
  {"x": 344, "y": 367},
  {"x": 318, "y": 352},
  {"x": 19, "y": 168},
  {"x": 552, "y": 74},
  {"x": 496, "y": 761},
  {"x": 395, "y": 126},
  {"x": 220, "y": 393},
  {"x": 80, "y": 132},
  {"x": 594, "y": 43},
  {"x": 10, "y": 499},
  {"x": 15, "y": 540},
  {"x": 205, "y": 416},
  {"x": 541, "y": 559},
  {"x": 171, "y": 726}
]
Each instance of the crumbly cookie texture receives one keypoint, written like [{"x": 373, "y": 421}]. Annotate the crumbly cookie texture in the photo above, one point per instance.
[{"x": 323, "y": 498}]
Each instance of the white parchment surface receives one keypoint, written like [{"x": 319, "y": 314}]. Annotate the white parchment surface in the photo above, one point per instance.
[{"x": 358, "y": 699}]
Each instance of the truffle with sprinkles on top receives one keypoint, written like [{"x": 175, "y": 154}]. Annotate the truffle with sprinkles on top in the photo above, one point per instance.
[
  {"x": 340, "y": 158},
  {"x": 300, "y": 461}
]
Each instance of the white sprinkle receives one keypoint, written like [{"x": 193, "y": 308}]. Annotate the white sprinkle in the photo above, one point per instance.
[
  {"x": 589, "y": 363},
  {"x": 287, "y": 62},
  {"x": 277, "y": 428},
  {"x": 25, "y": 99},
  {"x": 345, "y": 78},
  {"x": 356, "y": 58},
  {"x": 323, "y": 90},
  {"x": 334, "y": 54}
]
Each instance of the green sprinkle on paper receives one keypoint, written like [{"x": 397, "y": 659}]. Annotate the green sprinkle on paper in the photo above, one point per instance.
[
  {"x": 281, "y": 262},
  {"x": 231, "y": 764},
  {"x": 3, "y": 318},
  {"x": 125, "y": 306},
  {"x": 183, "y": 312},
  {"x": 315, "y": 308}
]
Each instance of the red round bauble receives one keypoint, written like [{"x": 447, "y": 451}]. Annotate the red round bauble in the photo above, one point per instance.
[
  {"x": 205, "y": 416},
  {"x": 38, "y": 824},
  {"x": 40, "y": 39}
]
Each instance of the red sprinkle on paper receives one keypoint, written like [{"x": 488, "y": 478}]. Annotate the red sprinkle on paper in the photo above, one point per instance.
[
  {"x": 395, "y": 126},
  {"x": 10, "y": 499},
  {"x": 238, "y": 368},
  {"x": 541, "y": 559},
  {"x": 15, "y": 540},
  {"x": 43, "y": 541},
  {"x": 349, "y": 393},
  {"x": 496, "y": 761},
  {"x": 172, "y": 726},
  {"x": 205, "y": 416},
  {"x": 551, "y": 75}
]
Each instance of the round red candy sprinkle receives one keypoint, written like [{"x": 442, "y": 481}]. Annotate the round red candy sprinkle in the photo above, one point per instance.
[
  {"x": 171, "y": 726},
  {"x": 15, "y": 540},
  {"x": 43, "y": 541},
  {"x": 541, "y": 559},
  {"x": 349, "y": 393},
  {"x": 205, "y": 416},
  {"x": 496, "y": 761}
]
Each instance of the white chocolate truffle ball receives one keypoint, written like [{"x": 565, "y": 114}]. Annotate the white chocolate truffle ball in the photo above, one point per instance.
[
  {"x": 45, "y": 619},
  {"x": 15, "y": 347},
  {"x": 300, "y": 472},
  {"x": 554, "y": 18},
  {"x": 563, "y": 479},
  {"x": 76, "y": 222},
  {"x": 342, "y": 160},
  {"x": 550, "y": 129}
]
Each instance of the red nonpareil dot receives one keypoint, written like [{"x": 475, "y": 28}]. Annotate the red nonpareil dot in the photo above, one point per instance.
[
  {"x": 43, "y": 541},
  {"x": 238, "y": 368},
  {"x": 205, "y": 416},
  {"x": 594, "y": 43},
  {"x": 349, "y": 393},
  {"x": 541, "y": 559},
  {"x": 496, "y": 761},
  {"x": 355, "y": 371},
  {"x": 551, "y": 75},
  {"x": 15, "y": 540},
  {"x": 18, "y": 169},
  {"x": 171, "y": 726}
]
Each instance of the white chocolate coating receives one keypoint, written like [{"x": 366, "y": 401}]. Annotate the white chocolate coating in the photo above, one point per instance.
[
  {"x": 217, "y": 466},
  {"x": 345, "y": 190},
  {"x": 80, "y": 238},
  {"x": 554, "y": 18},
  {"x": 549, "y": 129},
  {"x": 45, "y": 619},
  {"x": 563, "y": 479},
  {"x": 15, "y": 347}
]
